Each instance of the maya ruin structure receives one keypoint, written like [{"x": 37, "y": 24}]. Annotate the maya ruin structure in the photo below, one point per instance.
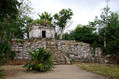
[
  {"x": 63, "y": 50},
  {"x": 41, "y": 31}
]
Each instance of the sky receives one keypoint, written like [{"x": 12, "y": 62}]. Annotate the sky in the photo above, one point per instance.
[{"x": 83, "y": 10}]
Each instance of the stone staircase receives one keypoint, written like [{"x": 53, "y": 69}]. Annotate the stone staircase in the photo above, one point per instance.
[{"x": 58, "y": 56}]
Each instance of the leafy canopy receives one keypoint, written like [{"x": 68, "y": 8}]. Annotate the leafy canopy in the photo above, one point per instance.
[
  {"x": 44, "y": 19},
  {"x": 62, "y": 17}
]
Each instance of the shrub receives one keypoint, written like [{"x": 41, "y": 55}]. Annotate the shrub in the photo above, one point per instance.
[
  {"x": 12, "y": 54},
  {"x": 1, "y": 74},
  {"x": 4, "y": 50},
  {"x": 70, "y": 60},
  {"x": 41, "y": 60},
  {"x": 3, "y": 58}
]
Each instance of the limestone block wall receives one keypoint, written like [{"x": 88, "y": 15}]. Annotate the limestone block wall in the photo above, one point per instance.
[
  {"x": 22, "y": 48},
  {"x": 36, "y": 31},
  {"x": 77, "y": 51}
]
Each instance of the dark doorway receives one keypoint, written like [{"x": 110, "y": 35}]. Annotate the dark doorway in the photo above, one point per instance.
[{"x": 43, "y": 34}]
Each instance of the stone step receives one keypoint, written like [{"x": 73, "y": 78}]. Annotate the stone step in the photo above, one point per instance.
[
  {"x": 51, "y": 46},
  {"x": 58, "y": 57}
]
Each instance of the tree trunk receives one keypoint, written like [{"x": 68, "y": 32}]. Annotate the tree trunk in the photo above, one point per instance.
[
  {"x": 62, "y": 30},
  {"x": 61, "y": 36}
]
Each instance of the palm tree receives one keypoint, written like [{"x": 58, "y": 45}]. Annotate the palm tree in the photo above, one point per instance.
[{"x": 45, "y": 18}]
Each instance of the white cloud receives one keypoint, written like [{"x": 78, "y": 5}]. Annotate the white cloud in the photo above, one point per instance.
[{"x": 84, "y": 10}]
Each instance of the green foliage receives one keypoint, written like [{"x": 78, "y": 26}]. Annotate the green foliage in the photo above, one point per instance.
[
  {"x": 45, "y": 16},
  {"x": 8, "y": 20},
  {"x": 112, "y": 36},
  {"x": 41, "y": 60},
  {"x": 23, "y": 25},
  {"x": 1, "y": 74},
  {"x": 112, "y": 71},
  {"x": 8, "y": 9},
  {"x": 82, "y": 34},
  {"x": 36, "y": 21},
  {"x": 11, "y": 26},
  {"x": 4, "y": 50},
  {"x": 8, "y": 15},
  {"x": 45, "y": 19},
  {"x": 28, "y": 66},
  {"x": 13, "y": 19},
  {"x": 70, "y": 60},
  {"x": 3, "y": 58},
  {"x": 62, "y": 18},
  {"x": 12, "y": 54},
  {"x": 68, "y": 36},
  {"x": 95, "y": 35},
  {"x": 23, "y": 21},
  {"x": 105, "y": 13}
]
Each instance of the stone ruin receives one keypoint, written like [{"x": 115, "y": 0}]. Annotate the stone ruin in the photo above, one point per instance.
[
  {"x": 41, "y": 31},
  {"x": 63, "y": 50}
]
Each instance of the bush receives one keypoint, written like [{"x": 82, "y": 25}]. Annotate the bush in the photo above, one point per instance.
[
  {"x": 4, "y": 50},
  {"x": 1, "y": 74},
  {"x": 3, "y": 58},
  {"x": 41, "y": 60}
]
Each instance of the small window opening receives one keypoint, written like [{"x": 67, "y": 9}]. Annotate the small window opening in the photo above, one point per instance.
[{"x": 43, "y": 34}]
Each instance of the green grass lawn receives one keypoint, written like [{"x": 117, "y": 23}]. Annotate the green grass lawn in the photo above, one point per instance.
[{"x": 112, "y": 71}]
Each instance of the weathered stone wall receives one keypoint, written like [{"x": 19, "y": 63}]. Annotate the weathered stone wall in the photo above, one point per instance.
[
  {"x": 77, "y": 51},
  {"x": 22, "y": 47},
  {"x": 36, "y": 31}
]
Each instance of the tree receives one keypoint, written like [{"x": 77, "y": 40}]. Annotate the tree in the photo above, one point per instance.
[
  {"x": 8, "y": 9},
  {"x": 36, "y": 21},
  {"x": 23, "y": 25},
  {"x": 102, "y": 22},
  {"x": 44, "y": 19},
  {"x": 112, "y": 35},
  {"x": 108, "y": 34},
  {"x": 11, "y": 25},
  {"x": 8, "y": 17},
  {"x": 84, "y": 34},
  {"x": 25, "y": 8},
  {"x": 28, "y": 22},
  {"x": 23, "y": 20},
  {"x": 66, "y": 36},
  {"x": 8, "y": 13},
  {"x": 62, "y": 18}
]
